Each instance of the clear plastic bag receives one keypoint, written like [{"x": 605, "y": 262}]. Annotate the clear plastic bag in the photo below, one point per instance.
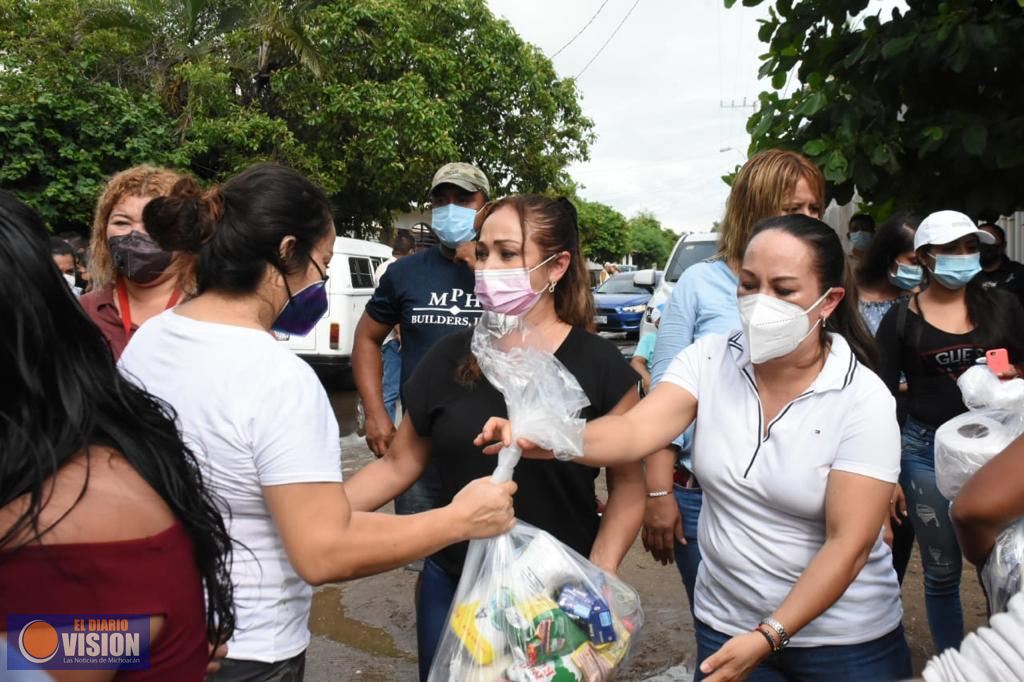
[
  {"x": 528, "y": 608},
  {"x": 965, "y": 443},
  {"x": 981, "y": 388},
  {"x": 543, "y": 398},
  {"x": 1003, "y": 573}
]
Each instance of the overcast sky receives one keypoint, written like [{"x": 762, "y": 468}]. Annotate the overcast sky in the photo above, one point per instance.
[{"x": 661, "y": 96}]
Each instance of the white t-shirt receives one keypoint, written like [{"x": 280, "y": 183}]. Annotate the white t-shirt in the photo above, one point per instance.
[
  {"x": 763, "y": 518},
  {"x": 255, "y": 415}
]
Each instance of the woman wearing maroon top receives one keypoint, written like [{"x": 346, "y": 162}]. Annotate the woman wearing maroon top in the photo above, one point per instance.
[
  {"x": 133, "y": 279},
  {"x": 102, "y": 508}
]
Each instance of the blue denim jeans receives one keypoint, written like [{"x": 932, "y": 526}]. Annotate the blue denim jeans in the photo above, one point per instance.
[
  {"x": 881, "y": 660},
  {"x": 940, "y": 552},
  {"x": 690, "y": 501},
  {"x": 392, "y": 379},
  {"x": 435, "y": 593}
]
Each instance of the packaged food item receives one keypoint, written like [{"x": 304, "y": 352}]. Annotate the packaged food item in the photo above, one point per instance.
[
  {"x": 588, "y": 611},
  {"x": 560, "y": 670}
]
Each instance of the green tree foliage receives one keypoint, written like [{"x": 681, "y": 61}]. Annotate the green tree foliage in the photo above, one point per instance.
[
  {"x": 649, "y": 242},
  {"x": 367, "y": 97},
  {"x": 62, "y": 130},
  {"x": 603, "y": 231},
  {"x": 922, "y": 109}
]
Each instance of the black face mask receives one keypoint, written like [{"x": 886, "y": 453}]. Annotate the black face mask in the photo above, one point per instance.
[
  {"x": 138, "y": 258},
  {"x": 990, "y": 255}
]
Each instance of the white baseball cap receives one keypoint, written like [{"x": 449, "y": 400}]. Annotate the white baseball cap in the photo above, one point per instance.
[{"x": 943, "y": 227}]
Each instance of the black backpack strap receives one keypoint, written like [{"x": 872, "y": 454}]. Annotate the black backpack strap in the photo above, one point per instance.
[{"x": 901, "y": 318}]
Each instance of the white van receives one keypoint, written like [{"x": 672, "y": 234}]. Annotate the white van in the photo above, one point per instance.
[
  {"x": 328, "y": 348},
  {"x": 691, "y": 248}
]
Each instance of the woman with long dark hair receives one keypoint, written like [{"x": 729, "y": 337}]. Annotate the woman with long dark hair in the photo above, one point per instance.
[
  {"x": 797, "y": 450},
  {"x": 263, "y": 424},
  {"x": 528, "y": 263},
  {"x": 931, "y": 339},
  {"x": 889, "y": 269},
  {"x": 102, "y": 507}
]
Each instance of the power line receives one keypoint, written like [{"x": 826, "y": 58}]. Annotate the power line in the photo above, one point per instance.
[
  {"x": 573, "y": 39},
  {"x": 601, "y": 49}
]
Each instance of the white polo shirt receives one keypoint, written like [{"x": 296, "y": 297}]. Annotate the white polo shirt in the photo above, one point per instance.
[{"x": 763, "y": 518}]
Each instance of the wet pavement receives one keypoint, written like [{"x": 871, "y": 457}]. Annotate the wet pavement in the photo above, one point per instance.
[{"x": 366, "y": 629}]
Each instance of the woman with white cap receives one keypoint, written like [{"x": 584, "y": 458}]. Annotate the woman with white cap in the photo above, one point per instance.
[{"x": 932, "y": 338}]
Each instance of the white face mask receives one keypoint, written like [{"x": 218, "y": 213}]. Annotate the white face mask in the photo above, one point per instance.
[{"x": 774, "y": 327}]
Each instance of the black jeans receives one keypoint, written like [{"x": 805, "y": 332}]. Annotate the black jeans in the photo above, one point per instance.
[{"x": 234, "y": 670}]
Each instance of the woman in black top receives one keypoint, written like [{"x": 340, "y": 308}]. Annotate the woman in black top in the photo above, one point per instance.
[
  {"x": 932, "y": 340},
  {"x": 447, "y": 402}
]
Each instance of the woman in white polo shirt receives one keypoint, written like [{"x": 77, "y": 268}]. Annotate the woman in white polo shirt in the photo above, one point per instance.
[{"x": 797, "y": 450}]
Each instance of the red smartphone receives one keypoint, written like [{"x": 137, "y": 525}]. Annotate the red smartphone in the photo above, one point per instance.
[{"x": 998, "y": 361}]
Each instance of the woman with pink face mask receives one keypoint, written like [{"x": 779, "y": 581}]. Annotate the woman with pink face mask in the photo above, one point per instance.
[{"x": 528, "y": 263}]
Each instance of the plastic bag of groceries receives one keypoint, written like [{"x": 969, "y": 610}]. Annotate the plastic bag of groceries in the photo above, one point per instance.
[
  {"x": 1003, "y": 572},
  {"x": 528, "y": 608},
  {"x": 966, "y": 442}
]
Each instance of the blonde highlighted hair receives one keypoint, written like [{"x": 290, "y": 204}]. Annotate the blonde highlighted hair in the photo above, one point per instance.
[
  {"x": 138, "y": 181},
  {"x": 761, "y": 190}
]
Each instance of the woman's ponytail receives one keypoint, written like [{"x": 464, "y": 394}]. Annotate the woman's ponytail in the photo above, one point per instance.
[{"x": 185, "y": 219}]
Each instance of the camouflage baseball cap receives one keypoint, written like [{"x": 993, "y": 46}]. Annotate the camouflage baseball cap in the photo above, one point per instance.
[{"x": 464, "y": 175}]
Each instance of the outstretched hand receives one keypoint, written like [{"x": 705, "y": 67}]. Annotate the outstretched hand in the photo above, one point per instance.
[{"x": 497, "y": 434}]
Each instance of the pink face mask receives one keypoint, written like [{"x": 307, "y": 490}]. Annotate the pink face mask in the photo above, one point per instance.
[{"x": 508, "y": 291}]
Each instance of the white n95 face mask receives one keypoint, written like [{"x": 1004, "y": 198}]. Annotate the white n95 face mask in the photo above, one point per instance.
[{"x": 774, "y": 327}]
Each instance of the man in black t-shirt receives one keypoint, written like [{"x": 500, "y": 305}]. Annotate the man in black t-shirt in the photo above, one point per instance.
[
  {"x": 430, "y": 294},
  {"x": 997, "y": 269}
]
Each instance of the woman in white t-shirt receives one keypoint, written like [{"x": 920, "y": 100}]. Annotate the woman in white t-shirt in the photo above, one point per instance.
[
  {"x": 260, "y": 422},
  {"x": 797, "y": 450}
]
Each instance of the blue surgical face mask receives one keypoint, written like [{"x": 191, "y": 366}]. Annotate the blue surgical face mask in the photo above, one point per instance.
[
  {"x": 907, "y": 277},
  {"x": 453, "y": 224},
  {"x": 954, "y": 272},
  {"x": 860, "y": 240}
]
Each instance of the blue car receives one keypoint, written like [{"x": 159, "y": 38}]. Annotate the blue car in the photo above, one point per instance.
[{"x": 620, "y": 303}]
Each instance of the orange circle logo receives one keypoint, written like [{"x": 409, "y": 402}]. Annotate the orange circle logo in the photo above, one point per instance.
[{"x": 38, "y": 641}]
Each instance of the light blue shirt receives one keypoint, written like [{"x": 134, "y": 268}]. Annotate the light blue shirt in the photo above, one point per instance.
[
  {"x": 645, "y": 348},
  {"x": 703, "y": 302}
]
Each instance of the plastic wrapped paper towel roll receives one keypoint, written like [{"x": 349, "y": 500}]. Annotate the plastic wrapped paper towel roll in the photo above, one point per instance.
[{"x": 964, "y": 444}]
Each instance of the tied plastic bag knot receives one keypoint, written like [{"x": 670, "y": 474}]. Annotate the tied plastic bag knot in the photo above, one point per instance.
[{"x": 543, "y": 398}]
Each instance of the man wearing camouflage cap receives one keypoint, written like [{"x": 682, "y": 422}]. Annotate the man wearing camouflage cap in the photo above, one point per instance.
[{"x": 430, "y": 295}]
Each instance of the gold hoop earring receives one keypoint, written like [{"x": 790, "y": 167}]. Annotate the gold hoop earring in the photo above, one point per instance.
[{"x": 551, "y": 286}]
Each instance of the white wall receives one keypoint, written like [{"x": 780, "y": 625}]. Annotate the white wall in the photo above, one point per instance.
[{"x": 1014, "y": 226}]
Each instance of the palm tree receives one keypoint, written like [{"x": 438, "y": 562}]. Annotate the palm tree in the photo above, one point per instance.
[{"x": 184, "y": 32}]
